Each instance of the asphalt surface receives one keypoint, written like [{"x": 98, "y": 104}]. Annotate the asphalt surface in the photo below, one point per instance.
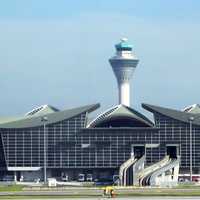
[{"x": 122, "y": 198}]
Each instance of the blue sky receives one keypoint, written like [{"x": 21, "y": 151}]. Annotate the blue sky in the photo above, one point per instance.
[
  {"x": 66, "y": 8},
  {"x": 56, "y": 52}
]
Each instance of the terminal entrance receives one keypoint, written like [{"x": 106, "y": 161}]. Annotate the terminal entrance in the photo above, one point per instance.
[
  {"x": 138, "y": 151},
  {"x": 172, "y": 151}
]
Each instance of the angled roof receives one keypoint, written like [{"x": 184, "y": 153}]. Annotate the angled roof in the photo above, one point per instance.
[
  {"x": 9, "y": 119},
  {"x": 42, "y": 110},
  {"x": 120, "y": 111},
  {"x": 195, "y": 108},
  {"x": 38, "y": 111},
  {"x": 53, "y": 117},
  {"x": 175, "y": 114}
]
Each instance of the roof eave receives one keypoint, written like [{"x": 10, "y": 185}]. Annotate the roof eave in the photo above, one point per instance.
[
  {"x": 53, "y": 117},
  {"x": 174, "y": 114}
]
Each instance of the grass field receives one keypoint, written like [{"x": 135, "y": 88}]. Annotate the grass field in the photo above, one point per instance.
[{"x": 10, "y": 188}]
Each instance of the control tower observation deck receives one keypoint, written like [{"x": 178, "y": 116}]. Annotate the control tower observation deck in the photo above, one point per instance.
[{"x": 123, "y": 65}]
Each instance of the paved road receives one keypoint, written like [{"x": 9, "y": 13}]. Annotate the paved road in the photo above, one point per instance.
[{"x": 123, "y": 198}]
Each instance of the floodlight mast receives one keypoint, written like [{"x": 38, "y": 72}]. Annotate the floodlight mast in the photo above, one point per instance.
[
  {"x": 123, "y": 65},
  {"x": 44, "y": 119}
]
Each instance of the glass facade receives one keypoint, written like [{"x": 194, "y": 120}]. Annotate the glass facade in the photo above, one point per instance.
[
  {"x": 25, "y": 147},
  {"x": 178, "y": 133},
  {"x": 72, "y": 146},
  {"x": 2, "y": 157},
  {"x": 110, "y": 147}
]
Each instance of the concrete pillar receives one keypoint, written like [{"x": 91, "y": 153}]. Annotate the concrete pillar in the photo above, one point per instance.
[{"x": 15, "y": 176}]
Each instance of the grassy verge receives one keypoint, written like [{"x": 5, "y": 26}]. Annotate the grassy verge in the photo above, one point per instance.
[
  {"x": 180, "y": 194},
  {"x": 10, "y": 188},
  {"x": 184, "y": 190},
  {"x": 43, "y": 197},
  {"x": 188, "y": 186}
]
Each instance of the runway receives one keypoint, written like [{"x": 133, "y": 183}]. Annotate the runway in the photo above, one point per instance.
[{"x": 118, "y": 198}]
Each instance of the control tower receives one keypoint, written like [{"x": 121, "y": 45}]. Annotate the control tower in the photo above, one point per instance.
[{"x": 123, "y": 65}]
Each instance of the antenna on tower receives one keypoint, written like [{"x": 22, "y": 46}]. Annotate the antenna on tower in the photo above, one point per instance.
[{"x": 124, "y": 39}]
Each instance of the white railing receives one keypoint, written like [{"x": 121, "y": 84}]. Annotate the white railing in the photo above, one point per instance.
[
  {"x": 123, "y": 169},
  {"x": 148, "y": 170},
  {"x": 167, "y": 175}
]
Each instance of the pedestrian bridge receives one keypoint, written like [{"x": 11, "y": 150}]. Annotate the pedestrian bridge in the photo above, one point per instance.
[{"x": 163, "y": 173}]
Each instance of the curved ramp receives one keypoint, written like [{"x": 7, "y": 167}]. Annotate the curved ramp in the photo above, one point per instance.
[
  {"x": 167, "y": 175},
  {"x": 138, "y": 166},
  {"x": 129, "y": 170},
  {"x": 146, "y": 180},
  {"x": 123, "y": 170},
  {"x": 144, "y": 174}
]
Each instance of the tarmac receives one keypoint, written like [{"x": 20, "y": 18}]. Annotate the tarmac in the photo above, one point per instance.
[{"x": 120, "y": 198}]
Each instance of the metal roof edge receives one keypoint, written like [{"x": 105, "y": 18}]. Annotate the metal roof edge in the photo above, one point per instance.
[
  {"x": 121, "y": 128},
  {"x": 52, "y": 117},
  {"x": 120, "y": 111},
  {"x": 172, "y": 113},
  {"x": 143, "y": 117}
]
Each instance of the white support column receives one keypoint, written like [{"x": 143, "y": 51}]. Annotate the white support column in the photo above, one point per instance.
[
  {"x": 15, "y": 176},
  {"x": 124, "y": 93}
]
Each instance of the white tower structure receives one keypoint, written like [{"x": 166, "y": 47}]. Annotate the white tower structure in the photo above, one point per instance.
[{"x": 123, "y": 65}]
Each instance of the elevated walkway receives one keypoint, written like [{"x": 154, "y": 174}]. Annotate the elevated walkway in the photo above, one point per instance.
[
  {"x": 142, "y": 176},
  {"x": 137, "y": 168},
  {"x": 123, "y": 170},
  {"x": 167, "y": 175},
  {"x": 128, "y": 170},
  {"x": 163, "y": 173}
]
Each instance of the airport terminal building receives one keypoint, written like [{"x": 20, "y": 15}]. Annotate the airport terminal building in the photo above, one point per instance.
[
  {"x": 73, "y": 146},
  {"x": 66, "y": 142}
]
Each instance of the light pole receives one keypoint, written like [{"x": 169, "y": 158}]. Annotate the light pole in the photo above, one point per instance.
[
  {"x": 45, "y": 119},
  {"x": 191, "y": 119}
]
